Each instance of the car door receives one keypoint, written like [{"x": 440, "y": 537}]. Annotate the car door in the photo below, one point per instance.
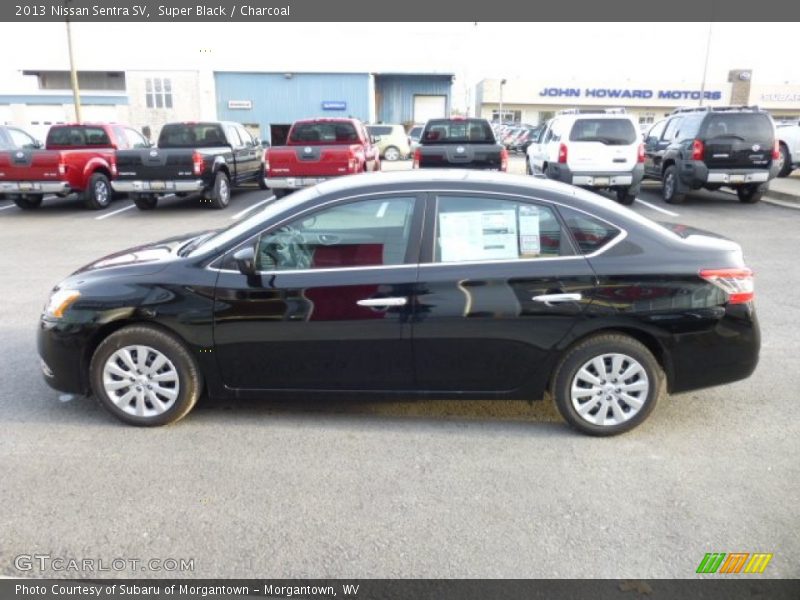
[
  {"x": 251, "y": 155},
  {"x": 654, "y": 147},
  {"x": 240, "y": 154},
  {"x": 537, "y": 149},
  {"x": 500, "y": 285},
  {"x": 330, "y": 306}
]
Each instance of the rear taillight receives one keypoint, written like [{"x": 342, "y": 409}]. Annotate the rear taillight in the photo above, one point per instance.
[
  {"x": 113, "y": 166},
  {"x": 697, "y": 150},
  {"x": 198, "y": 165},
  {"x": 640, "y": 154},
  {"x": 738, "y": 284},
  {"x": 562, "y": 153},
  {"x": 776, "y": 150},
  {"x": 62, "y": 166},
  {"x": 417, "y": 155},
  {"x": 504, "y": 160}
]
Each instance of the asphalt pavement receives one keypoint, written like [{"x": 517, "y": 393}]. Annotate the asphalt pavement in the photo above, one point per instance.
[{"x": 401, "y": 489}]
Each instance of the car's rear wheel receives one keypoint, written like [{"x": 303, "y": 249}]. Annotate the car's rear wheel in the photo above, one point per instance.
[
  {"x": 145, "y": 201},
  {"x": 220, "y": 195},
  {"x": 145, "y": 376},
  {"x": 784, "y": 162},
  {"x": 669, "y": 191},
  {"x": 391, "y": 154},
  {"x": 281, "y": 192},
  {"x": 262, "y": 179},
  {"x": 607, "y": 384},
  {"x": 28, "y": 201},
  {"x": 624, "y": 196},
  {"x": 98, "y": 194},
  {"x": 749, "y": 194},
  {"x": 528, "y": 170}
]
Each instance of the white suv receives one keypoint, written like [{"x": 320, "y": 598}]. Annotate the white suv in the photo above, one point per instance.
[{"x": 600, "y": 149}]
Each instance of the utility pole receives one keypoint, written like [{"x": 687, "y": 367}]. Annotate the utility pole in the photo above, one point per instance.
[
  {"x": 76, "y": 95},
  {"x": 705, "y": 66},
  {"x": 502, "y": 83}
]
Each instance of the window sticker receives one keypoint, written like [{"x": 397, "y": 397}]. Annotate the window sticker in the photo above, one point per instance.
[
  {"x": 478, "y": 235},
  {"x": 529, "y": 237}
]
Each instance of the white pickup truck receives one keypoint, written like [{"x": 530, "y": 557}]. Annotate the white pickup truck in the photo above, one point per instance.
[{"x": 789, "y": 138}]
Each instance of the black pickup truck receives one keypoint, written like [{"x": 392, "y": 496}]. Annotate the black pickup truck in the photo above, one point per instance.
[
  {"x": 207, "y": 158},
  {"x": 460, "y": 144}
]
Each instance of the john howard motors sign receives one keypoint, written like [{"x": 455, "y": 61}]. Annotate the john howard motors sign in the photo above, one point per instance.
[{"x": 624, "y": 93}]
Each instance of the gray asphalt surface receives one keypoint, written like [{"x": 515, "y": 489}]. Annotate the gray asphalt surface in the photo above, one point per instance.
[{"x": 429, "y": 489}]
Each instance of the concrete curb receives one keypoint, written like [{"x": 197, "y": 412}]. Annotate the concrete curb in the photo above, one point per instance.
[{"x": 794, "y": 203}]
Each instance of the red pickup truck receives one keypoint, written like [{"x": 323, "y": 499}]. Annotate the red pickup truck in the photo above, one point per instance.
[
  {"x": 318, "y": 149},
  {"x": 77, "y": 158}
]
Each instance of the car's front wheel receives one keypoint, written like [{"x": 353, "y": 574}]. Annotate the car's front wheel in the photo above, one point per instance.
[
  {"x": 784, "y": 161},
  {"x": 607, "y": 384},
  {"x": 145, "y": 376}
]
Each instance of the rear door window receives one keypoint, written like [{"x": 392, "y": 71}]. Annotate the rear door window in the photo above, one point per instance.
[
  {"x": 590, "y": 233},
  {"x": 446, "y": 131},
  {"x": 613, "y": 132}
]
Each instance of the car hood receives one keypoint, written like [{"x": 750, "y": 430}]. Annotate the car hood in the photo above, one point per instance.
[{"x": 144, "y": 259}]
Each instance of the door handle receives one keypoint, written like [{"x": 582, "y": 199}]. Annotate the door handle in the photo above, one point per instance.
[
  {"x": 550, "y": 299},
  {"x": 381, "y": 302}
]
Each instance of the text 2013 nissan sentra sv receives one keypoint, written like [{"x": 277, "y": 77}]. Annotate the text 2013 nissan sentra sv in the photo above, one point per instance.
[{"x": 419, "y": 284}]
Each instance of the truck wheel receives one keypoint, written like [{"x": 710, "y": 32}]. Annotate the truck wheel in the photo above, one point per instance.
[
  {"x": 221, "y": 194},
  {"x": 624, "y": 196},
  {"x": 144, "y": 201},
  {"x": 749, "y": 194},
  {"x": 281, "y": 192},
  {"x": 785, "y": 162},
  {"x": 262, "y": 179},
  {"x": 97, "y": 195},
  {"x": 528, "y": 170},
  {"x": 391, "y": 154},
  {"x": 669, "y": 191},
  {"x": 28, "y": 201}
]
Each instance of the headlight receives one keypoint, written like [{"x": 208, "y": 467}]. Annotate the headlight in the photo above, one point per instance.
[{"x": 59, "y": 302}]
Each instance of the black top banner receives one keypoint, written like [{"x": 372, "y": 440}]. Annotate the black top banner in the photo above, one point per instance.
[{"x": 399, "y": 10}]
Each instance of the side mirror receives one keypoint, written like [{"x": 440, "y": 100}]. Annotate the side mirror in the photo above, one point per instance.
[
  {"x": 245, "y": 260},
  {"x": 37, "y": 145},
  {"x": 256, "y": 141}
]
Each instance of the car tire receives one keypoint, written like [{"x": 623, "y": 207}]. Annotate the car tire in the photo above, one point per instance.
[
  {"x": 528, "y": 169},
  {"x": 28, "y": 201},
  {"x": 392, "y": 154},
  {"x": 135, "y": 392},
  {"x": 786, "y": 162},
  {"x": 624, "y": 196},
  {"x": 593, "y": 400},
  {"x": 669, "y": 190},
  {"x": 220, "y": 195},
  {"x": 97, "y": 194},
  {"x": 749, "y": 194},
  {"x": 281, "y": 192},
  {"x": 145, "y": 201},
  {"x": 262, "y": 179}
]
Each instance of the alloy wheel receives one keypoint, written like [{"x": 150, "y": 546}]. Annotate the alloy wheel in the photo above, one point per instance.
[{"x": 141, "y": 381}]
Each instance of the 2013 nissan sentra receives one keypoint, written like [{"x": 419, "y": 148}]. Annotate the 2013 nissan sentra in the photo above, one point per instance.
[{"x": 416, "y": 284}]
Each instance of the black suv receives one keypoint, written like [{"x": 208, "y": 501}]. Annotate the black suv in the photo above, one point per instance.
[{"x": 708, "y": 147}]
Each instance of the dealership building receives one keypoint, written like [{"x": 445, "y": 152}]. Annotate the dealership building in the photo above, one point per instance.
[
  {"x": 267, "y": 103},
  {"x": 535, "y": 101}
]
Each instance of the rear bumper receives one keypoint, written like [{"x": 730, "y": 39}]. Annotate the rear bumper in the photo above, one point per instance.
[
  {"x": 157, "y": 187},
  {"x": 293, "y": 183},
  {"x": 695, "y": 174},
  {"x": 600, "y": 179},
  {"x": 34, "y": 187}
]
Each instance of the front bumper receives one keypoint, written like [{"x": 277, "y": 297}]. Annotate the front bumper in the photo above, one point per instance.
[
  {"x": 61, "y": 348},
  {"x": 157, "y": 187},
  {"x": 599, "y": 179},
  {"x": 34, "y": 187},
  {"x": 293, "y": 183}
]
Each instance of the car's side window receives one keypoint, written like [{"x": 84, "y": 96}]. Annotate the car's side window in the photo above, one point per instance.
[
  {"x": 233, "y": 136},
  {"x": 365, "y": 233},
  {"x": 474, "y": 228},
  {"x": 656, "y": 130},
  {"x": 672, "y": 129},
  {"x": 589, "y": 233},
  {"x": 20, "y": 139},
  {"x": 136, "y": 139}
]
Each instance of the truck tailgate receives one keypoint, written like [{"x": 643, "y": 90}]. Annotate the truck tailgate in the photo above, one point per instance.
[
  {"x": 300, "y": 161},
  {"x": 461, "y": 156},
  {"x": 155, "y": 164},
  {"x": 30, "y": 165}
]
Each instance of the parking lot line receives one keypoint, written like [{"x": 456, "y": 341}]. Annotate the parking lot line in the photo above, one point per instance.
[
  {"x": 659, "y": 209},
  {"x": 8, "y": 206},
  {"x": 111, "y": 214},
  {"x": 247, "y": 210}
]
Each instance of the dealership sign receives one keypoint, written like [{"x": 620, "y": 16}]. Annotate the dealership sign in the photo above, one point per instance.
[
  {"x": 641, "y": 94},
  {"x": 334, "y": 105},
  {"x": 240, "y": 104},
  {"x": 780, "y": 97}
]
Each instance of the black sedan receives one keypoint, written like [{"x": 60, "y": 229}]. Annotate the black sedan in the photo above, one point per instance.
[{"x": 417, "y": 284}]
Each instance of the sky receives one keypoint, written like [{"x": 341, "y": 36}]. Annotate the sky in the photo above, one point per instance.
[{"x": 559, "y": 52}]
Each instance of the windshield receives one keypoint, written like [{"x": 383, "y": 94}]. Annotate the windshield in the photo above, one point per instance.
[
  {"x": 272, "y": 209},
  {"x": 446, "y": 131},
  {"x": 190, "y": 135},
  {"x": 615, "y": 132},
  {"x": 744, "y": 126},
  {"x": 323, "y": 133}
]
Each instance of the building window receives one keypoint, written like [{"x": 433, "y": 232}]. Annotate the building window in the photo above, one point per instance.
[
  {"x": 509, "y": 116},
  {"x": 159, "y": 92},
  {"x": 647, "y": 118}
]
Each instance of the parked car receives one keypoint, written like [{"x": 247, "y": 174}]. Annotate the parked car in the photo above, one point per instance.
[
  {"x": 460, "y": 143},
  {"x": 522, "y": 286},
  {"x": 14, "y": 138},
  {"x": 318, "y": 149},
  {"x": 526, "y": 137},
  {"x": 598, "y": 149},
  {"x": 413, "y": 137},
  {"x": 708, "y": 147},
  {"x": 789, "y": 147},
  {"x": 208, "y": 158},
  {"x": 78, "y": 158},
  {"x": 391, "y": 140}
]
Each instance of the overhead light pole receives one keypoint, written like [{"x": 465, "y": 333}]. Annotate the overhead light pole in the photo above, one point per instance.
[
  {"x": 73, "y": 73},
  {"x": 705, "y": 66},
  {"x": 500, "y": 116}
]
